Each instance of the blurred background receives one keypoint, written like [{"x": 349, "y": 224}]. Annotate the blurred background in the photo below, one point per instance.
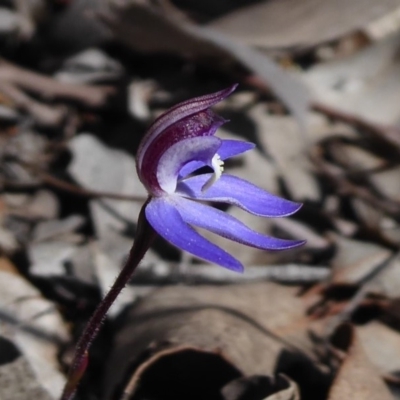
[{"x": 319, "y": 94}]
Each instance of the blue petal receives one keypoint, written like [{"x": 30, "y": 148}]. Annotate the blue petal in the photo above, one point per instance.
[
  {"x": 166, "y": 220},
  {"x": 171, "y": 162},
  {"x": 229, "y": 148},
  {"x": 232, "y": 190},
  {"x": 225, "y": 225}
]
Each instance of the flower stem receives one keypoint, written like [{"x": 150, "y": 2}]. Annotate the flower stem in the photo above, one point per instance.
[{"x": 144, "y": 237}]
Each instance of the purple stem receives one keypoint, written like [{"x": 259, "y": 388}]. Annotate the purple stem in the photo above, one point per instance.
[{"x": 144, "y": 238}]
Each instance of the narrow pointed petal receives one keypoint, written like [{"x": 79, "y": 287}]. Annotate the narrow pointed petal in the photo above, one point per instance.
[
  {"x": 225, "y": 225},
  {"x": 228, "y": 149},
  {"x": 232, "y": 190},
  {"x": 177, "y": 113},
  {"x": 199, "y": 148},
  {"x": 166, "y": 220}
]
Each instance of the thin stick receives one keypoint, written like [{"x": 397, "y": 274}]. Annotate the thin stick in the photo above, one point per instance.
[
  {"x": 70, "y": 187},
  {"x": 79, "y": 191},
  {"x": 93, "y": 96},
  {"x": 345, "y": 187},
  {"x": 361, "y": 294},
  {"x": 43, "y": 114}
]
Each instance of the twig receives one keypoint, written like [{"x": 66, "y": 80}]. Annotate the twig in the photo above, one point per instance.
[
  {"x": 75, "y": 189},
  {"x": 31, "y": 329},
  {"x": 93, "y": 96},
  {"x": 346, "y": 187},
  {"x": 79, "y": 191},
  {"x": 43, "y": 114},
  {"x": 389, "y": 134},
  {"x": 60, "y": 184},
  {"x": 169, "y": 273},
  {"x": 361, "y": 293}
]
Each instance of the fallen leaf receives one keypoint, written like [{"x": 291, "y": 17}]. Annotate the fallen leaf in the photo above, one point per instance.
[
  {"x": 19, "y": 382},
  {"x": 355, "y": 259},
  {"x": 98, "y": 167},
  {"x": 387, "y": 182},
  {"x": 261, "y": 388},
  {"x": 249, "y": 325},
  {"x": 357, "y": 378},
  {"x": 7, "y": 266},
  {"x": 49, "y": 258},
  {"x": 288, "y": 24},
  {"x": 57, "y": 228},
  {"x": 37, "y": 330},
  {"x": 9, "y": 21},
  {"x": 382, "y": 345},
  {"x": 353, "y": 84},
  {"x": 89, "y": 66}
]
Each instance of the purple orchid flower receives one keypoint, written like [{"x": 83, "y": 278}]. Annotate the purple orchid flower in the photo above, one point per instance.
[{"x": 177, "y": 144}]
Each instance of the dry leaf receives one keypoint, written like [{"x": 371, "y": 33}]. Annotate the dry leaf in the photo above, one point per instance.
[
  {"x": 357, "y": 378},
  {"x": 382, "y": 345},
  {"x": 98, "y": 167},
  {"x": 57, "y": 228},
  {"x": 387, "y": 183},
  {"x": 354, "y": 84},
  {"x": 355, "y": 259},
  {"x": 289, "y": 393},
  {"x": 7, "y": 266},
  {"x": 261, "y": 388},
  {"x": 248, "y": 325},
  {"x": 49, "y": 258},
  {"x": 89, "y": 66},
  {"x": 287, "y": 24},
  {"x": 19, "y": 382},
  {"x": 34, "y": 326}
]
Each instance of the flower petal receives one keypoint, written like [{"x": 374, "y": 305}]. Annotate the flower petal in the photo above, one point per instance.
[
  {"x": 198, "y": 148},
  {"x": 166, "y": 220},
  {"x": 229, "y": 148},
  {"x": 232, "y": 190},
  {"x": 202, "y": 124},
  {"x": 178, "y": 112},
  {"x": 223, "y": 224}
]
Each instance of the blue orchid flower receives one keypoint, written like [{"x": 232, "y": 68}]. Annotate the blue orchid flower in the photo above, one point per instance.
[{"x": 178, "y": 143}]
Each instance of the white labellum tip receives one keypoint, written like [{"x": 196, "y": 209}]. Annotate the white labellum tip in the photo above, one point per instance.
[{"x": 218, "y": 166}]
